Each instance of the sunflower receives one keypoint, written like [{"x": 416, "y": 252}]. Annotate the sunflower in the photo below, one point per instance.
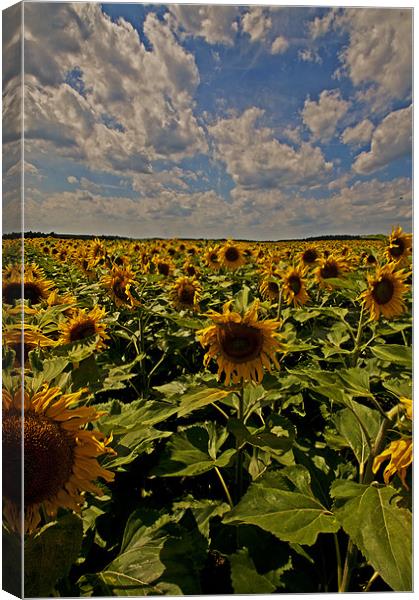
[
  {"x": 83, "y": 325},
  {"x": 242, "y": 345},
  {"x": 400, "y": 453},
  {"x": 211, "y": 258},
  {"x": 96, "y": 252},
  {"x": 331, "y": 267},
  {"x": 384, "y": 295},
  {"x": 119, "y": 282},
  {"x": 231, "y": 256},
  {"x": 186, "y": 293},
  {"x": 163, "y": 266},
  {"x": 399, "y": 245},
  {"x": 309, "y": 256},
  {"x": 190, "y": 269},
  {"x": 67, "y": 300},
  {"x": 270, "y": 288},
  {"x": 24, "y": 339},
  {"x": 35, "y": 287},
  {"x": 293, "y": 287},
  {"x": 60, "y": 455}
]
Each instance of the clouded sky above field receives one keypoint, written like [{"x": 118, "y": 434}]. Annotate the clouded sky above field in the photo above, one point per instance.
[{"x": 211, "y": 121}]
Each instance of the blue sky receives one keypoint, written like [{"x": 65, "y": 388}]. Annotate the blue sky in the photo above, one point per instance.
[{"x": 211, "y": 121}]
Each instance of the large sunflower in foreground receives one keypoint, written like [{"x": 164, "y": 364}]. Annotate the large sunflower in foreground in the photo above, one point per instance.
[
  {"x": 399, "y": 245},
  {"x": 294, "y": 286},
  {"x": 60, "y": 454},
  {"x": 186, "y": 293},
  {"x": 384, "y": 295},
  {"x": 242, "y": 345},
  {"x": 83, "y": 325},
  {"x": 231, "y": 256},
  {"x": 35, "y": 288}
]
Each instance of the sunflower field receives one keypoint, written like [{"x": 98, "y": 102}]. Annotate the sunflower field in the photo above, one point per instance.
[{"x": 207, "y": 417}]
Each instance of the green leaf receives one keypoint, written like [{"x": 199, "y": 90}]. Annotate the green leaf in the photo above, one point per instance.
[
  {"x": 50, "y": 553},
  {"x": 283, "y": 503},
  {"x": 245, "y": 578},
  {"x": 198, "y": 399},
  {"x": 359, "y": 426},
  {"x": 193, "y": 451},
  {"x": 203, "y": 511},
  {"x": 277, "y": 438},
  {"x": 356, "y": 381},
  {"x": 379, "y": 528},
  {"x": 401, "y": 355}
]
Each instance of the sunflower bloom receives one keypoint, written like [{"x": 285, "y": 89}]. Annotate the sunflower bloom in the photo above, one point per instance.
[
  {"x": 211, "y": 258},
  {"x": 119, "y": 282},
  {"x": 186, "y": 293},
  {"x": 293, "y": 289},
  {"x": 399, "y": 246},
  {"x": 35, "y": 287},
  {"x": 400, "y": 453},
  {"x": 231, "y": 256},
  {"x": 384, "y": 295},
  {"x": 330, "y": 267},
  {"x": 83, "y": 325},
  {"x": 242, "y": 345},
  {"x": 60, "y": 455}
]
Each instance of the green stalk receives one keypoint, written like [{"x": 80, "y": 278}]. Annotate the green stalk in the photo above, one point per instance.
[
  {"x": 338, "y": 560},
  {"x": 356, "y": 349},
  {"x": 239, "y": 449},
  {"x": 224, "y": 486}
]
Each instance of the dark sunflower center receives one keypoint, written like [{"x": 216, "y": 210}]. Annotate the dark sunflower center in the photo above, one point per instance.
[
  {"x": 11, "y": 293},
  {"x": 397, "y": 248},
  {"x": 294, "y": 282},
  {"x": 214, "y": 257},
  {"x": 48, "y": 457},
  {"x": 240, "y": 343},
  {"x": 32, "y": 292},
  {"x": 383, "y": 291},
  {"x": 84, "y": 330},
  {"x": 186, "y": 294},
  {"x": 163, "y": 269},
  {"x": 273, "y": 287},
  {"x": 232, "y": 254},
  {"x": 371, "y": 260},
  {"x": 309, "y": 256},
  {"x": 119, "y": 289},
  {"x": 191, "y": 270},
  {"x": 329, "y": 270}
]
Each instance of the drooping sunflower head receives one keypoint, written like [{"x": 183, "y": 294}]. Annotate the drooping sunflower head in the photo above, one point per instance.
[
  {"x": 83, "y": 325},
  {"x": 60, "y": 454},
  {"x": 119, "y": 281},
  {"x": 241, "y": 344},
  {"x": 231, "y": 255},
  {"x": 399, "y": 246},
  {"x": 294, "y": 286},
  {"x": 186, "y": 293},
  {"x": 385, "y": 293},
  {"x": 331, "y": 267},
  {"x": 270, "y": 287}
]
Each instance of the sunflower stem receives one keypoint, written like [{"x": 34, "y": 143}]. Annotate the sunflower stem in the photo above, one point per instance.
[
  {"x": 338, "y": 560},
  {"x": 356, "y": 349},
  {"x": 224, "y": 486},
  {"x": 374, "y": 576},
  {"x": 278, "y": 314},
  {"x": 239, "y": 447}
]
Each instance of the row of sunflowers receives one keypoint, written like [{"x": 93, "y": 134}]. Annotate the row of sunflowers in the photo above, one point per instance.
[{"x": 207, "y": 416}]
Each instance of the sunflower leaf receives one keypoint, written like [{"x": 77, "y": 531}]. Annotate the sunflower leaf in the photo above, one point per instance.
[
  {"x": 401, "y": 355},
  {"x": 379, "y": 528}
]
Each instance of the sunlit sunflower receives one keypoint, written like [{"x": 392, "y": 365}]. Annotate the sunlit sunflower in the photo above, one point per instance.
[
  {"x": 400, "y": 453},
  {"x": 60, "y": 455},
  {"x": 163, "y": 266},
  {"x": 66, "y": 300},
  {"x": 309, "y": 256},
  {"x": 95, "y": 253},
  {"x": 384, "y": 295},
  {"x": 294, "y": 286},
  {"x": 186, "y": 293},
  {"x": 119, "y": 282},
  {"x": 242, "y": 345},
  {"x": 399, "y": 245},
  {"x": 35, "y": 288},
  {"x": 331, "y": 267},
  {"x": 190, "y": 269},
  {"x": 83, "y": 325},
  {"x": 231, "y": 256},
  {"x": 211, "y": 258}
]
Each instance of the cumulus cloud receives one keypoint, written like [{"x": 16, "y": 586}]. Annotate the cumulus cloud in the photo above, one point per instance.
[
  {"x": 321, "y": 25},
  {"x": 72, "y": 180},
  {"x": 359, "y": 134},
  {"x": 391, "y": 140},
  {"x": 131, "y": 105},
  {"x": 255, "y": 159},
  {"x": 257, "y": 23},
  {"x": 309, "y": 55},
  {"x": 215, "y": 24},
  {"x": 323, "y": 116},
  {"x": 279, "y": 45}
]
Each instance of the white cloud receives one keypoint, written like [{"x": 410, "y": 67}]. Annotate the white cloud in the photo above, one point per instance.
[
  {"x": 72, "y": 180},
  {"x": 359, "y": 134},
  {"x": 256, "y": 23},
  {"x": 309, "y": 55},
  {"x": 323, "y": 116},
  {"x": 137, "y": 105},
  {"x": 279, "y": 45},
  {"x": 321, "y": 25},
  {"x": 215, "y": 24},
  {"x": 391, "y": 140},
  {"x": 256, "y": 160}
]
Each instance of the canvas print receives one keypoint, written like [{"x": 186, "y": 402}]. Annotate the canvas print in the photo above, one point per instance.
[{"x": 207, "y": 299}]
